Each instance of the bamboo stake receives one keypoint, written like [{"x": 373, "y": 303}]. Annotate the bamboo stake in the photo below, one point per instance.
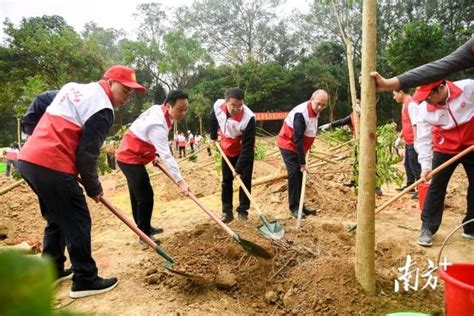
[{"x": 12, "y": 186}]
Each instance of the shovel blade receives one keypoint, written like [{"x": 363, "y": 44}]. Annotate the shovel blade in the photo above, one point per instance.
[
  {"x": 168, "y": 265},
  {"x": 273, "y": 230},
  {"x": 251, "y": 248}
]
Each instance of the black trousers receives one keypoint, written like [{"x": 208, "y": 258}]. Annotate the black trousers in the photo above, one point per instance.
[
  {"x": 63, "y": 206},
  {"x": 412, "y": 166},
  {"x": 295, "y": 177},
  {"x": 141, "y": 194},
  {"x": 228, "y": 190},
  {"x": 434, "y": 204},
  {"x": 182, "y": 150},
  {"x": 111, "y": 160}
]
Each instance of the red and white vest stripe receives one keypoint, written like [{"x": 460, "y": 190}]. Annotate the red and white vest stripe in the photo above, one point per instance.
[
  {"x": 56, "y": 137},
  {"x": 407, "y": 126},
  {"x": 285, "y": 137},
  {"x": 447, "y": 129},
  {"x": 181, "y": 141},
  {"x": 231, "y": 129},
  {"x": 136, "y": 147}
]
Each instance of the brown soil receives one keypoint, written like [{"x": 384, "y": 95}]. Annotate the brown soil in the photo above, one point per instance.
[{"x": 312, "y": 269}]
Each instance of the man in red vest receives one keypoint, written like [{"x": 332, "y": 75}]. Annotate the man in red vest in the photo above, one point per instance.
[
  {"x": 409, "y": 108},
  {"x": 144, "y": 142},
  {"x": 236, "y": 125},
  {"x": 65, "y": 144},
  {"x": 445, "y": 127},
  {"x": 295, "y": 139}
]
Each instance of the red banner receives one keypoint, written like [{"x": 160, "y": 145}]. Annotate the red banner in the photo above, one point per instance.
[{"x": 270, "y": 116}]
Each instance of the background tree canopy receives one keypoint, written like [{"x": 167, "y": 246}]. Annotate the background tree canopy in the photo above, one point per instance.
[{"x": 278, "y": 59}]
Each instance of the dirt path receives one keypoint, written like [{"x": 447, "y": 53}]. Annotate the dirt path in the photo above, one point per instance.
[{"x": 311, "y": 271}]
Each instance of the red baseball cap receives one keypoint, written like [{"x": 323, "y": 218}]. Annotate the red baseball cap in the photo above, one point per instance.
[
  {"x": 124, "y": 75},
  {"x": 422, "y": 92}
]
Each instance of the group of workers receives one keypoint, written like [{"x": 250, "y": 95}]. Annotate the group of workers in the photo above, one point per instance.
[
  {"x": 68, "y": 127},
  {"x": 181, "y": 143}
]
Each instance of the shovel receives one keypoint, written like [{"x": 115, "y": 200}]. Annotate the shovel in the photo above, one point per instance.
[
  {"x": 413, "y": 185},
  {"x": 168, "y": 265},
  {"x": 272, "y": 230},
  {"x": 302, "y": 194},
  {"x": 248, "y": 246}
]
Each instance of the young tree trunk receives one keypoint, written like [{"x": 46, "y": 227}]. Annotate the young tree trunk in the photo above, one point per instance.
[
  {"x": 200, "y": 125},
  {"x": 18, "y": 129},
  {"x": 350, "y": 66},
  {"x": 365, "y": 242},
  {"x": 352, "y": 85}
]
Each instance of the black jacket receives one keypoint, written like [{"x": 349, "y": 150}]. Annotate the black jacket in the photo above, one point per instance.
[{"x": 36, "y": 110}]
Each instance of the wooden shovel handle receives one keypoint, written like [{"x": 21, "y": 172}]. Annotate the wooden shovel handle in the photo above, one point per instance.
[
  {"x": 239, "y": 179},
  {"x": 431, "y": 174},
  {"x": 302, "y": 195},
  {"x": 227, "y": 229},
  {"x": 126, "y": 221}
]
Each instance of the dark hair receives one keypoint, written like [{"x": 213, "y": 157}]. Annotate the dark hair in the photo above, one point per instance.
[
  {"x": 234, "y": 93},
  {"x": 174, "y": 95}
]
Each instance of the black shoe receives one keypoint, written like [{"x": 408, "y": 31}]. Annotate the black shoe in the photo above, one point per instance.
[
  {"x": 142, "y": 242},
  {"x": 64, "y": 275},
  {"x": 309, "y": 211},
  {"x": 243, "y": 216},
  {"x": 350, "y": 184},
  {"x": 227, "y": 218},
  {"x": 414, "y": 195},
  {"x": 87, "y": 288},
  {"x": 378, "y": 192},
  {"x": 155, "y": 230},
  {"x": 295, "y": 214}
]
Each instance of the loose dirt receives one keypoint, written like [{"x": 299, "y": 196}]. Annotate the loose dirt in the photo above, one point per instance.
[{"x": 312, "y": 269}]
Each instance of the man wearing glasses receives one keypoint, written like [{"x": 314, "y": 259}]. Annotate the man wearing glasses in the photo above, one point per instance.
[
  {"x": 65, "y": 144},
  {"x": 445, "y": 127},
  {"x": 147, "y": 141},
  {"x": 295, "y": 139},
  {"x": 235, "y": 123}
]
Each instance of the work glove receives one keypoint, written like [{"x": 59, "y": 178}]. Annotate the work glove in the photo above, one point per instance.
[
  {"x": 325, "y": 126},
  {"x": 397, "y": 142},
  {"x": 357, "y": 108}
]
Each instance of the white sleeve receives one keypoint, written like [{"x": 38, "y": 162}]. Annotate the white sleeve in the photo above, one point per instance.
[
  {"x": 158, "y": 135},
  {"x": 423, "y": 144},
  {"x": 413, "y": 112}
]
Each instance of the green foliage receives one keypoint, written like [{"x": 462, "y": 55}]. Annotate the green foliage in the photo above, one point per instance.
[
  {"x": 16, "y": 174},
  {"x": 336, "y": 136},
  {"x": 103, "y": 166},
  {"x": 386, "y": 158},
  {"x": 234, "y": 30},
  {"x": 260, "y": 151},
  {"x": 26, "y": 287},
  {"x": 404, "y": 48},
  {"x": 193, "y": 157}
]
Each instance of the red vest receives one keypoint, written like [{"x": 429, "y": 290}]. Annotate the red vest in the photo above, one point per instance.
[
  {"x": 407, "y": 127},
  {"x": 136, "y": 148},
  {"x": 231, "y": 128},
  {"x": 285, "y": 137},
  {"x": 56, "y": 137}
]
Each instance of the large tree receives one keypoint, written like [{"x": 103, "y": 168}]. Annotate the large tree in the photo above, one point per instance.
[
  {"x": 45, "y": 48},
  {"x": 233, "y": 31},
  {"x": 416, "y": 44}
]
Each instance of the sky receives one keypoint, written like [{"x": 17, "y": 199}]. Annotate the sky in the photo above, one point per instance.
[{"x": 106, "y": 13}]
